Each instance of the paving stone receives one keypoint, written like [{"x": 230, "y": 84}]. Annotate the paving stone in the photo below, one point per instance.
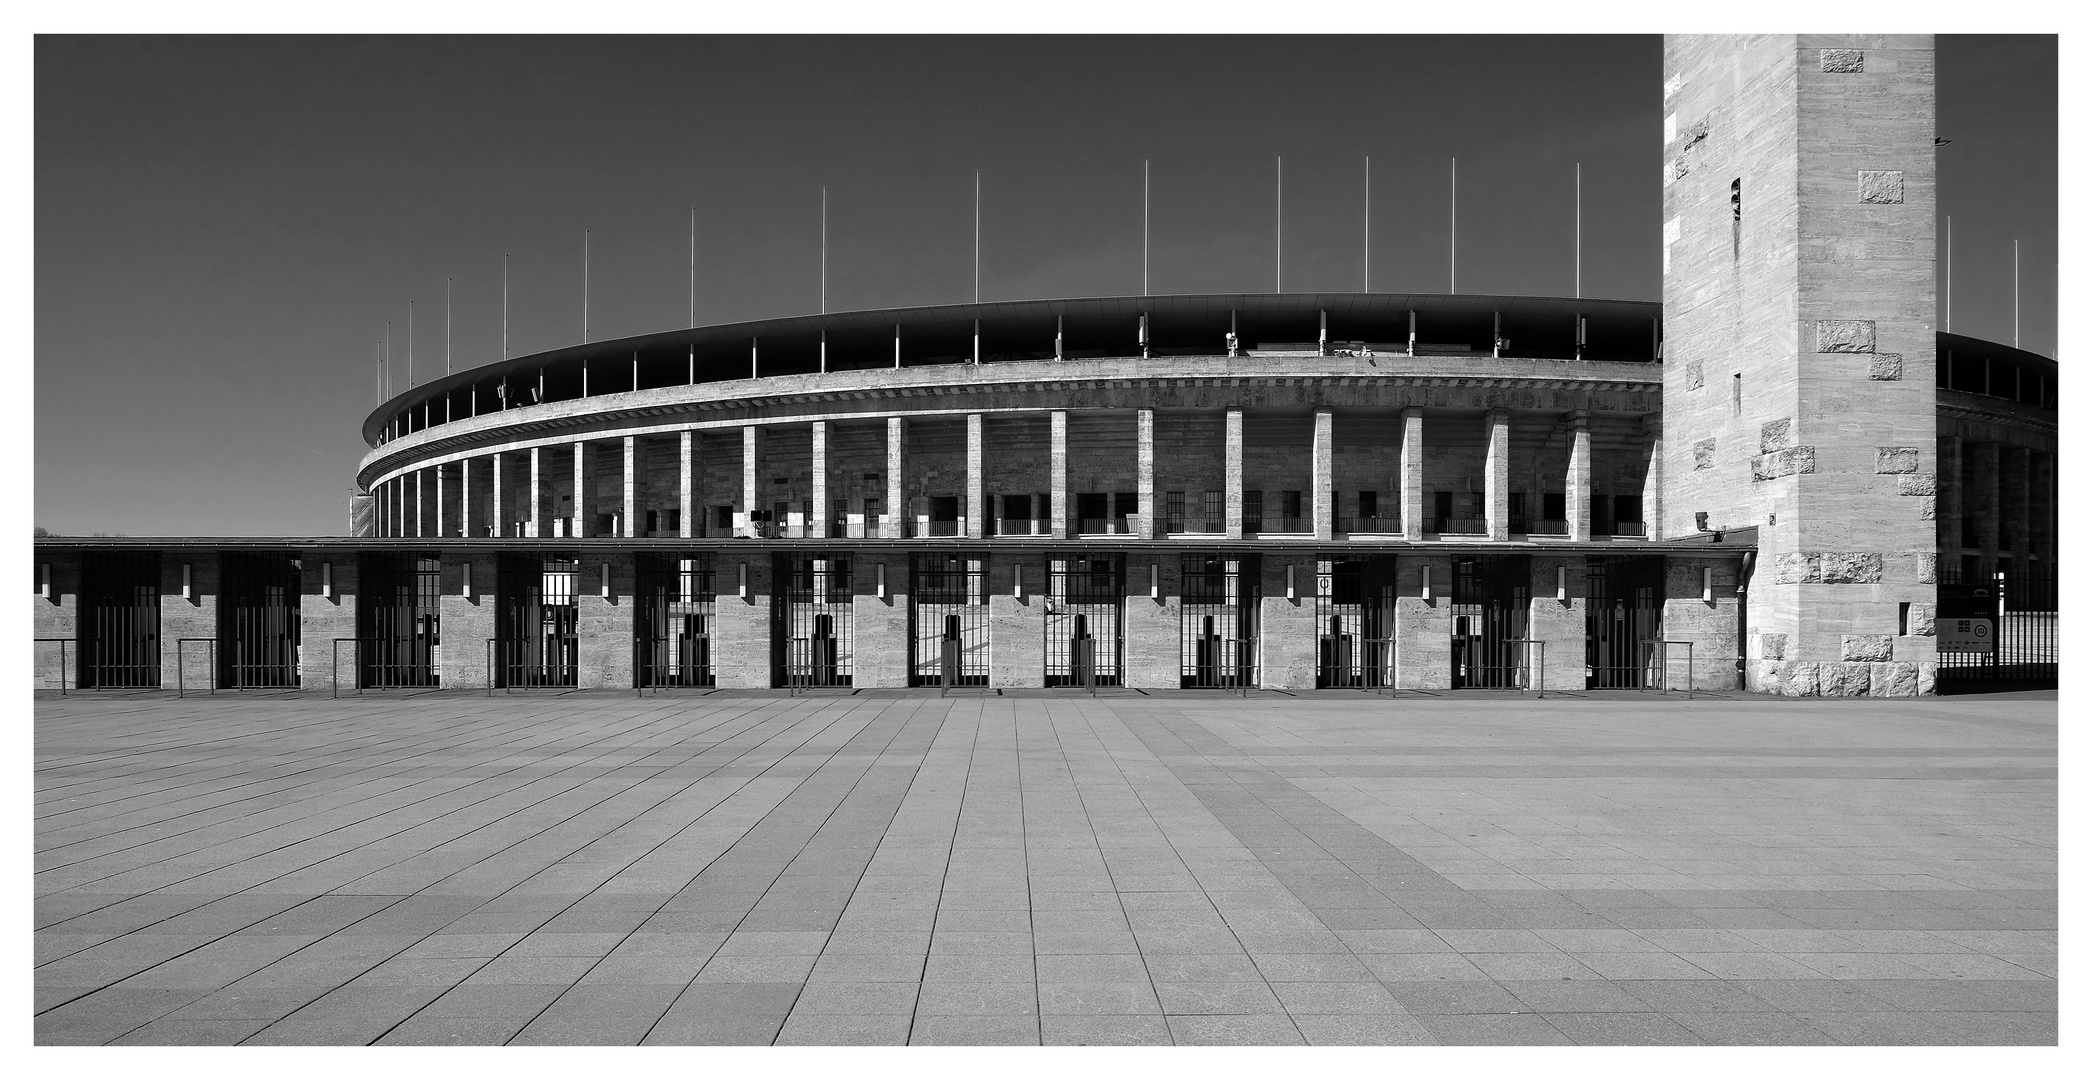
[
  {"x": 948, "y": 1030},
  {"x": 1235, "y": 1030},
  {"x": 1063, "y": 1030},
  {"x": 1363, "y": 1030}
]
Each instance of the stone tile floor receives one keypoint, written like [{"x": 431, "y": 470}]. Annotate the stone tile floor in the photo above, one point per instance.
[{"x": 1132, "y": 869}]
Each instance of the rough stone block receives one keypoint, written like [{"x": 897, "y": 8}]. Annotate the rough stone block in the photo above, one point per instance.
[
  {"x": 1881, "y": 186},
  {"x": 1842, "y": 680},
  {"x": 1703, "y": 454},
  {"x": 1917, "y": 483},
  {"x": 1895, "y": 459},
  {"x": 1772, "y": 646},
  {"x": 1776, "y": 435},
  {"x": 1800, "y": 681},
  {"x": 1865, "y": 647},
  {"x": 1695, "y": 375},
  {"x": 1928, "y": 509},
  {"x": 1927, "y": 673},
  {"x": 1923, "y": 620},
  {"x": 1850, "y": 567},
  {"x": 1843, "y": 61},
  {"x": 1916, "y": 567},
  {"x": 1844, "y": 336},
  {"x": 1795, "y": 568},
  {"x": 1885, "y": 367},
  {"x": 1789, "y": 462}
]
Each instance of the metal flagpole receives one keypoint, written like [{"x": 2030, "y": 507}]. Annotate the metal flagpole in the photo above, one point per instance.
[
  {"x": 388, "y": 358},
  {"x": 410, "y": 337},
  {"x": 1279, "y": 282},
  {"x": 976, "y": 236},
  {"x": 504, "y": 307},
  {"x": 2015, "y": 294},
  {"x": 1369, "y": 224},
  {"x": 1950, "y": 273},
  {"x": 1453, "y": 271},
  {"x": 1144, "y": 226},
  {"x": 824, "y": 254},
  {"x": 584, "y": 286},
  {"x": 1579, "y": 230},
  {"x": 446, "y": 326},
  {"x": 381, "y": 372}
]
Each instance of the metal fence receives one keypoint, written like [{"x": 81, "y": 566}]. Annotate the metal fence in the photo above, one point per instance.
[
  {"x": 812, "y": 620},
  {"x": 538, "y": 619},
  {"x": 1623, "y": 609},
  {"x": 398, "y": 631},
  {"x": 1085, "y": 605},
  {"x": 1218, "y": 627},
  {"x": 119, "y": 621},
  {"x": 948, "y": 620},
  {"x": 673, "y": 620},
  {"x": 1354, "y": 622},
  {"x": 258, "y": 632},
  {"x": 2021, "y": 606},
  {"x": 1492, "y": 597}
]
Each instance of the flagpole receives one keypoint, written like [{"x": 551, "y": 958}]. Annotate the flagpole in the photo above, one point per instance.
[
  {"x": 2015, "y": 294},
  {"x": 693, "y": 267},
  {"x": 410, "y": 336},
  {"x": 1453, "y": 266},
  {"x": 446, "y": 326},
  {"x": 504, "y": 307},
  {"x": 1144, "y": 226},
  {"x": 1950, "y": 273},
  {"x": 824, "y": 253},
  {"x": 1369, "y": 224},
  {"x": 1579, "y": 230},
  {"x": 976, "y": 236},
  {"x": 1279, "y": 281},
  {"x": 584, "y": 286}
]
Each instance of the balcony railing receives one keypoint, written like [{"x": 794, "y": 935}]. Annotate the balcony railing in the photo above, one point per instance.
[
  {"x": 1106, "y": 526},
  {"x": 1023, "y": 526},
  {"x": 1373, "y": 524},
  {"x": 1549, "y": 527},
  {"x": 925, "y": 527},
  {"x": 1198, "y": 525},
  {"x": 1629, "y": 528},
  {"x": 1463, "y": 526},
  {"x": 1279, "y": 525}
]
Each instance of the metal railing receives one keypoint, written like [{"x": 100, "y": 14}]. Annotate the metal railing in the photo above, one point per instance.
[
  {"x": 815, "y": 663},
  {"x": 1525, "y": 669},
  {"x": 1629, "y": 528},
  {"x": 1462, "y": 525},
  {"x": 1660, "y": 653},
  {"x": 1549, "y": 527},
  {"x": 939, "y": 528},
  {"x": 546, "y": 672},
  {"x": 63, "y": 666},
  {"x": 1271, "y": 524},
  {"x": 679, "y": 661},
  {"x": 1022, "y": 526},
  {"x": 1106, "y": 526},
  {"x": 181, "y": 682}
]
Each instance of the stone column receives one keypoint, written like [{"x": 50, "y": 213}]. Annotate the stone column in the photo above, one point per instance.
[
  {"x": 1231, "y": 499},
  {"x": 1576, "y": 487},
  {"x": 536, "y": 525},
  {"x": 896, "y": 465},
  {"x": 2041, "y": 518},
  {"x": 976, "y": 504},
  {"x": 1652, "y": 481},
  {"x": 686, "y": 496},
  {"x": 818, "y": 516},
  {"x": 1412, "y": 473},
  {"x": 441, "y": 521},
  {"x": 1949, "y": 499},
  {"x": 466, "y": 519},
  {"x": 583, "y": 510},
  {"x": 1059, "y": 474},
  {"x": 633, "y": 526},
  {"x": 744, "y": 524},
  {"x": 1324, "y": 464},
  {"x": 1496, "y": 475},
  {"x": 1981, "y": 501},
  {"x": 497, "y": 499},
  {"x": 2016, "y": 503},
  {"x": 1144, "y": 466},
  {"x": 420, "y": 505}
]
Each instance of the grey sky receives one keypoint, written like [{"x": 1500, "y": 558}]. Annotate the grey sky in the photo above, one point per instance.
[{"x": 225, "y": 225}]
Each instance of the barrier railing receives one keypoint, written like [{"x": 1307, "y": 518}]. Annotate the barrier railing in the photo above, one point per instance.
[
  {"x": 1660, "y": 652},
  {"x": 181, "y": 670},
  {"x": 1525, "y": 670},
  {"x": 544, "y": 674}
]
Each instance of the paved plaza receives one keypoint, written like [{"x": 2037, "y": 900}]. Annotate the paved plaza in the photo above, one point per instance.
[{"x": 1131, "y": 869}]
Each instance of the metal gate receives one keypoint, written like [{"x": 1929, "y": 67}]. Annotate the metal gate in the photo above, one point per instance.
[
  {"x": 1623, "y": 612},
  {"x": 1085, "y": 602},
  {"x": 2021, "y": 606},
  {"x": 1218, "y": 639},
  {"x": 672, "y": 627},
  {"x": 811, "y": 620},
  {"x": 1354, "y": 622},
  {"x": 119, "y": 620},
  {"x": 258, "y": 642},
  {"x": 1492, "y": 598},
  {"x": 948, "y": 620},
  {"x": 537, "y": 621},
  {"x": 399, "y": 640}
]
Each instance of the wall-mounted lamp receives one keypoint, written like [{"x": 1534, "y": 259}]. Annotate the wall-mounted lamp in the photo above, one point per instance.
[
  {"x": 465, "y": 581},
  {"x": 188, "y": 581},
  {"x": 43, "y": 580},
  {"x": 881, "y": 575},
  {"x": 1427, "y": 582},
  {"x": 1561, "y": 583},
  {"x": 327, "y": 581},
  {"x": 1017, "y": 580},
  {"x": 606, "y": 581},
  {"x": 1289, "y": 582},
  {"x": 1707, "y": 583},
  {"x": 1155, "y": 581},
  {"x": 744, "y": 581}
]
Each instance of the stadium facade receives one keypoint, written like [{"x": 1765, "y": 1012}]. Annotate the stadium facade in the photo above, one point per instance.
[{"x": 1782, "y": 478}]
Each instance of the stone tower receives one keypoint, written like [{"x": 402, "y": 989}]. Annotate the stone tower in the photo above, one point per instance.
[{"x": 1798, "y": 256}]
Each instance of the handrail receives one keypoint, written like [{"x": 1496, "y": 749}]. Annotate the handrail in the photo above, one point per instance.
[
  {"x": 1663, "y": 648},
  {"x": 181, "y": 686},
  {"x": 62, "y": 665},
  {"x": 1529, "y": 643}
]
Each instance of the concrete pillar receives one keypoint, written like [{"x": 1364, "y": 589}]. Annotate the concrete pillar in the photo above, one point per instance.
[
  {"x": 819, "y": 514},
  {"x": 879, "y": 631},
  {"x": 321, "y": 619},
  {"x": 466, "y": 518},
  {"x": 2041, "y": 478},
  {"x": 896, "y": 466},
  {"x": 1652, "y": 481},
  {"x": 467, "y": 621},
  {"x": 1152, "y": 656},
  {"x": 536, "y": 525},
  {"x": 1016, "y": 624},
  {"x": 1231, "y": 499},
  {"x": 584, "y": 509},
  {"x": 741, "y": 627},
  {"x": 1324, "y": 465},
  {"x": 1560, "y": 591},
  {"x": 442, "y": 493},
  {"x": 1413, "y": 473},
  {"x": 420, "y": 518},
  {"x": 2016, "y": 491},
  {"x": 1424, "y": 627},
  {"x": 1576, "y": 487},
  {"x": 1286, "y": 632},
  {"x": 497, "y": 500},
  {"x": 633, "y": 525},
  {"x": 686, "y": 495},
  {"x": 976, "y": 508},
  {"x": 1144, "y": 466},
  {"x": 193, "y": 616},
  {"x": 1948, "y": 507},
  {"x": 603, "y": 623},
  {"x": 744, "y": 522},
  {"x": 1981, "y": 502},
  {"x": 1496, "y": 475},
  {"x": 1059, "y": 474}
]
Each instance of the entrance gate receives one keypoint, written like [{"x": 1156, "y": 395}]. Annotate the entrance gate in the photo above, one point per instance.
[
  {"x": 119, "y": 620},
  {"x": 1625, "y": 609},
  {"x": 1085, "y": 599},
  {"x": 673, "y": 629},
  {"x": 537, "y": 621},
  {"x": 1354, "y": 622},
  {"x": 1492, "y": 598},
  {"x": 948, "y": 620},
  {"x": 258, "y": 642},
  {"x": 1218, "y": 636},
  {"x": 811, "y": 620},
  {"x": 398, "y": 634},
  {"x": 2020, "y": 604}
]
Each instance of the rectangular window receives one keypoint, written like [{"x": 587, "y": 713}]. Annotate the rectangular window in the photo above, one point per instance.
[
  {"x": 1554, "y": 506},
  {"x": 1736, "y": 394},
  {"x": 1289, "y": 505},
  {"x": 723, "y": 516},
  {"x": 1173, "y": 511},
  {"x": 653, "y": 520},
  {"x": 1601, "y": 515},
  {"x": 1441, "y": 509},
  {"x": 1125, "y": 504},
  {"x": 1627, "y": 511},
  {"x": 1518, "y": 522},
  {"x": 1368, "y": 505},
  {"x": 1216, "y": 511},
  {"x": 1253, "y": 510}
]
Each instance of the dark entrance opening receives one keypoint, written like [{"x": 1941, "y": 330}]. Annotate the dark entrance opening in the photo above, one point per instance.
[
  {"x": 119, "y": 620},
  {"x": 810, "y": 639},
  {"x": 672, "y": 625},
  {"x": 948, "y": 620},
  {"x": 1625, "y": 609},
  {"x": 1355, "y": 622},
  {"x": 1218, "y": 635},
  {"x": 537, "y": 621},
  {"x": 1492, "y": 598},
  {"x": 258, "y": 643},
  {"x": 1085, "y": 601},
  {"x": 397, "y": 630}
]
